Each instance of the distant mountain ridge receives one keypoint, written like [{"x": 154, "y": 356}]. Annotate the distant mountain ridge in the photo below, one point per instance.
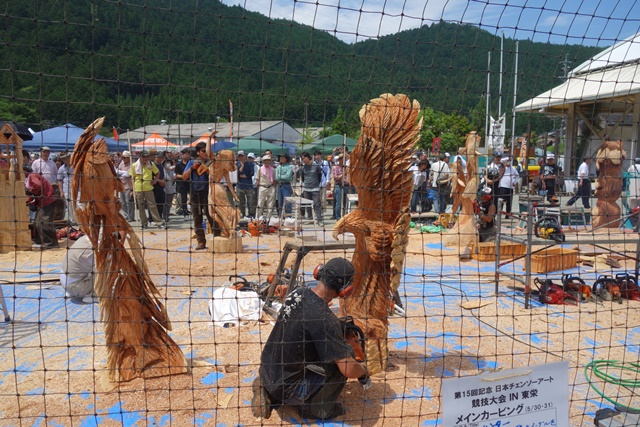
[{"x": 138, "y": 64}]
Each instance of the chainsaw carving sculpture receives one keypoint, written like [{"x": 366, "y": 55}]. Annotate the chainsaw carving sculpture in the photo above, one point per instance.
[
  {"x": 465, "y": 191},
  {"x": 606, "y": 212},
  {"x": 220, "y": 209},
  {"x": 14, "y": 217},
  {"x": 378, "y": 169},
  {"x": 136, "y": 322}
]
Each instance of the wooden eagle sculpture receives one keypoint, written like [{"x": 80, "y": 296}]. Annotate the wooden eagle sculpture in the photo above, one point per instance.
[
  {"x": 464, "y": 232},
  {"x": 14, "y": 217},
  {"x": 136, "y": 322},
  {"x": 609, "y": 159},
  {"x": 379, "y": 170},
  {"x": 220, "y": 209}
]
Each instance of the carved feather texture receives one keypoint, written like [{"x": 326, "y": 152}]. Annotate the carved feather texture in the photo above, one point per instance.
[
  {"x": 379, "y": 169},
  {"x": 136, "y": 322}
]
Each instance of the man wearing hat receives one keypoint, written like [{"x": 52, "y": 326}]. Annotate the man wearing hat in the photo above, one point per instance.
[
  {"x": 142, "y": 174},
  {"x": 47, "y": 168},
  {"x": 197, "y": 172},
  {"x": 306, "y": 361},
  {"x": 64, "y": 184},
  {"x": 244, "y": 187},
  {"x": 549, "y": 175},
  {"x": 266, "y": 181},
  {"x": 126, "y": 197}
]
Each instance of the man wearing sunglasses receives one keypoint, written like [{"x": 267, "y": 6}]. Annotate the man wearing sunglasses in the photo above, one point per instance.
[
  {"x": 197, "y": 172},
  {"x": 306, "y": 361}
]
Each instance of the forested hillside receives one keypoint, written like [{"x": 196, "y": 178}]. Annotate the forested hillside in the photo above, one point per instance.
[{"x": 181, "y": 62}]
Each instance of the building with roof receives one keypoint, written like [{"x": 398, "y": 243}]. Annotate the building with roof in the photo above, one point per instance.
[
  {"x": 603, "y": 95},
  {"x": 183, "y": 134}
]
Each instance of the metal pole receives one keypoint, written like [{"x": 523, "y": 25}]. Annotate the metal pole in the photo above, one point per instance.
[
  {"x": 513, "y": 113},
  {"x": 500, "y": 81},
  {"x": 486, "y": 115},
  {"x": 527, "y": 259}
]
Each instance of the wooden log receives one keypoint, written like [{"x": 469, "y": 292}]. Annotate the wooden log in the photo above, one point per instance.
[{"x": 232, "y": 244}]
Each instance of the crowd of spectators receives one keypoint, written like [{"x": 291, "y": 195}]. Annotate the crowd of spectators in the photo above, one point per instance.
[{"x": 159, "y": 185}]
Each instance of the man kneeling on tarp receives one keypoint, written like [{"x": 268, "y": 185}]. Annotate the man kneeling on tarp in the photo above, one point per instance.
[{"x": 306, "y": 360}]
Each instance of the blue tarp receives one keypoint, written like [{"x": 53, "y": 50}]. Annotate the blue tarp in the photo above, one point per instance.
[{"x": 64, "y": 138}]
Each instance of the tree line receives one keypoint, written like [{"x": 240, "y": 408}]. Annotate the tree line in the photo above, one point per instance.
[{"x": 138, "y": 64}]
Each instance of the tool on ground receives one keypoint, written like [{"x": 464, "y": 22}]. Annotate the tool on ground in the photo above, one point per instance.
[
  {"x": 577, "y": 287},
  {"x": 552, "y": 293},
  {"x": 548, "y": 227},
  {"x": 607, "y": 289},
  {"x": 629, "y": 288}
]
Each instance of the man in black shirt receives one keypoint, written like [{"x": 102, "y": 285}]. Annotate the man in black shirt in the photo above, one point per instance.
[
  {"x": 306, "y": 360},
  {"x": 549, "y": 175}
]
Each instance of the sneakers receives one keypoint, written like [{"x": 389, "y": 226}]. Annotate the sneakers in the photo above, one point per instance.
[
  {"x": 90, "y": 299},
  {"x": 201, "y": 247},
  {"x": 158, "y": 224},
  {"x": 260, "y": 402}
]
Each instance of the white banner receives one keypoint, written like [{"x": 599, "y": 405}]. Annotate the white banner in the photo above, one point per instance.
[
  {"x": 496, "y": 133},
  {"x": 530, "y": 396}
]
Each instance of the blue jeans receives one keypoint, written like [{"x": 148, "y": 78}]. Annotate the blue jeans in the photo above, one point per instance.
[
  {"x": 338, "y": 198},
  {"x": 284, "y": 190},
  {"x": 438, "y": 195},
  {"x": 416, "y": 199}
]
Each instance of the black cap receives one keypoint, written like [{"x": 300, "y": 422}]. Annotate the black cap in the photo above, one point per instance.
[{"x": 337, "y": 274}]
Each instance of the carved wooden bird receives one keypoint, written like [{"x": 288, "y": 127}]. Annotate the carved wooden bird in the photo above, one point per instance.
[
  {"x": 136, "y": 322},
  {"x": 379, "y": 169}
]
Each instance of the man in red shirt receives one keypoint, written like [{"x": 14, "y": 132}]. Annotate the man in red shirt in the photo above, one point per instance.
[{"x": 42, "y": 200}]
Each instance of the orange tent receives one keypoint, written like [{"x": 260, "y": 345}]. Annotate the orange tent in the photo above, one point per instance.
[
  {"x": 154, "y": 141},
  {"x": 204, "y": 138}
]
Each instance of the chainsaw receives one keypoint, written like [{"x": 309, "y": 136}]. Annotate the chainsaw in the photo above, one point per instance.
[
  {"x": 551, "y": 293},
  {"x": 607, "y": 289},
  {"x": 629, "y": 288},
  {"x": 575, "y": 286}
]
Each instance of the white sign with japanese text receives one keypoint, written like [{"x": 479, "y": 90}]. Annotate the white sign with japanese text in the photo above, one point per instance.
[{"x": 534, "y": 396}]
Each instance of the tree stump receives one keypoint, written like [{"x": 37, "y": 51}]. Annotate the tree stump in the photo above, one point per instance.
[{"x": 231, "y": 244}]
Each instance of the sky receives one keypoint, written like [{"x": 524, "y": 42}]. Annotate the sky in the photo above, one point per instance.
[{"x": 588, "y": 22}]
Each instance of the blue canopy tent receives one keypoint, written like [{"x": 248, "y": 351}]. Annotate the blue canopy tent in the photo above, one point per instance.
[{"x": 64, "y": 138}]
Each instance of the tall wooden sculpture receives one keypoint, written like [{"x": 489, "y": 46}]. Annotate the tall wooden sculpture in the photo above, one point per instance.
[
  {"x": 464, "y": 233},
  {"x": 606, "y": 212},
  {"x": 220, "y": 209},
  {"x": 14, "y": 216},
  {"x": 379, "y": 167},
  {"x": 136, "y": 322}
]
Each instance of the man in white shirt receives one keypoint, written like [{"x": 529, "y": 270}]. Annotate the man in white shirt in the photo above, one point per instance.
[
  {"x": 77, "y": 271},
  {"x": 64, "y": 184},
  {"x": 439, "y": 184},
  {"x": 47, "y": 168},
  {"x": 508, "y": 180},
  {"x": 584, "y": 184}
]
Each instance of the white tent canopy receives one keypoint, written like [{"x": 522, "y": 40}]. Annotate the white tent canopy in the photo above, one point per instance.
[
  {"x": 605, "y": 83},
  {"x": 613, "y": 73},
  {"x": 610, "y": 83}
]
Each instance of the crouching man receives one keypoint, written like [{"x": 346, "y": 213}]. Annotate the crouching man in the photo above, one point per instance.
[{"x": 306, "y": 361}]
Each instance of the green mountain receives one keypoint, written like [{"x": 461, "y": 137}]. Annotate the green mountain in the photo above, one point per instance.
[{"x": 182, "y": 61}]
